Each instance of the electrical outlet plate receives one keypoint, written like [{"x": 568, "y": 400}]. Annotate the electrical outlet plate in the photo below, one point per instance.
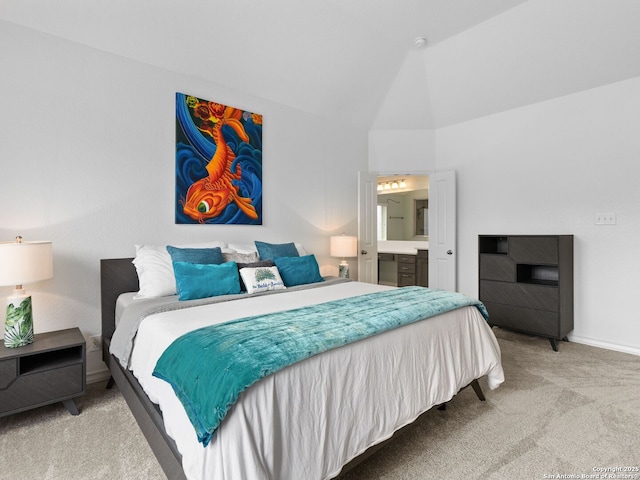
[
  {"x": 95, "y": 343},
  {"x": 605, "y": 219}
]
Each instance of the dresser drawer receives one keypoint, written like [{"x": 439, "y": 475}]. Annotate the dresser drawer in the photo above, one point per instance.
[
  {"x": 538, "y": 297},
  {"x": 403, "y": 258},
  {"x": 497, "y": 267},
  {"x": 406, "y": 279},
  {"x": 537, "y": 322},
  {"x": 406, "y": 268},
  {"x": 535, "y": 250}
]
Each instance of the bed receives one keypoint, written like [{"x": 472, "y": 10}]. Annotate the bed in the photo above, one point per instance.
[{"x": 313, "y": 419}]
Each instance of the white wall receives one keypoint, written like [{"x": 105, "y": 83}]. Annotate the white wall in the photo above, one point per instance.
[
  {"x": 87, "y": 152},
  {"x": 549, "y": 168},
  {"x": 400, "y": 151}
]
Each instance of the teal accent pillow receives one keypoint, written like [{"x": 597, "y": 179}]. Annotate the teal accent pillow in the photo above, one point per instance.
[
  {"x": 271, "y": 251},
  {"x": 196, "y": 255},
  {"x": 298, "y": 270},
  {"x": 197, "y": 280}
]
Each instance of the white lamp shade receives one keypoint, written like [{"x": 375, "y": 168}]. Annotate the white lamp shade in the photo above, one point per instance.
[
  {"x": 344, "y": 246},
  {"x": 25, "y": 262}
]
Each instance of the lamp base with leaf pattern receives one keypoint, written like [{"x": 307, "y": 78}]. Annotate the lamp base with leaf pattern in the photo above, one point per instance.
[
  {"x": 18, "y": 327},
  {"x": 343, "y": 270}
]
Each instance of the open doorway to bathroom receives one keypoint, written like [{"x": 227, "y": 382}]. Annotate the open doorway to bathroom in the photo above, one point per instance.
[{"x": 402, "y": 229}]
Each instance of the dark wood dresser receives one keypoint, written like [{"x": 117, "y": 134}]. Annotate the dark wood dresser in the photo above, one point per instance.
[{"x": 526, "y": 283}]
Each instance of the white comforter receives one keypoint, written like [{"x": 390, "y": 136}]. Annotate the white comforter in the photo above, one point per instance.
[{"x": 308, "y": 420}]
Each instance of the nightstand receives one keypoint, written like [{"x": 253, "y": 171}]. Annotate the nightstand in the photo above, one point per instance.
[{"x": 49, "y": 370}]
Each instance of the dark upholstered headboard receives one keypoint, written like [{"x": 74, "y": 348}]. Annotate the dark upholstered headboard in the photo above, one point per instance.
[{"x": 117, "y": 275}]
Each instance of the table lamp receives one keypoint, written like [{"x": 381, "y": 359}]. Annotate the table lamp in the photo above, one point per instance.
[
  {"x": 344, "y": 246},
  {"x": 21, "y": 263}
]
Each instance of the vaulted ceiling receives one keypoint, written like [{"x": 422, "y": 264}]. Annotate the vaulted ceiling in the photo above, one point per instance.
[{"x": 356, "y": 59}]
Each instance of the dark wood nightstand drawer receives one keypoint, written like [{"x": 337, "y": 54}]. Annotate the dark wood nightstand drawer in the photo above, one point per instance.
[
  {"x": 8, "y": 371},
  {"x": 43, "y": 388}
]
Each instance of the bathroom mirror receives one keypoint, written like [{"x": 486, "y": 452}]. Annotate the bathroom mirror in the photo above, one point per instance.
[
  {"x": 421, "y": 210},
  {"x": 403, "y": 207}
]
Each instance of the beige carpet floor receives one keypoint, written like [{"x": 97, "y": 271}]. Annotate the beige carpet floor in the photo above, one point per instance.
[{"x": 558, "y": 415}]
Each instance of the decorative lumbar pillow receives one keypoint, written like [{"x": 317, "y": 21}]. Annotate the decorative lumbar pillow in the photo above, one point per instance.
[
  {"x": 205, "y": 256},
  {"x": 298, "y": 270},
  {"x": 271, "y": 251},
  {"x": 265, "y": 263},
  {"x": 197, "y": 280},
  {"x": 260, "y": 279},
  {"x": 239, "y": 257},
  {"x": 155, "y": 272}
]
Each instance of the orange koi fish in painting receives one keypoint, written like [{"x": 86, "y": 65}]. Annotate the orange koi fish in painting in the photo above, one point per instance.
[{"x": 209, "y": 197}]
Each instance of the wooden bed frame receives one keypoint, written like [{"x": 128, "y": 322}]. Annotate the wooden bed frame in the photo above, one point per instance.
[{"x": 118, "y": 276}]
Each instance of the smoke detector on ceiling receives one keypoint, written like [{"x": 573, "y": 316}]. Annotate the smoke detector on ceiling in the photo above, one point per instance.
[{"x": 420, "y": 41}]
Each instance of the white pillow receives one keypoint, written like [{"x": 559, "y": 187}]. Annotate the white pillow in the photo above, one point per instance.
[
  {"x": 155, "y": 270},
  {"x": 301, "y": 251},
  {"x": 260, "y": 279}
]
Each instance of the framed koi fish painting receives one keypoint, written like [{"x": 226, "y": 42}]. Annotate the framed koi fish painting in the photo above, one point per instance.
[{"x": 218, "y": 163}]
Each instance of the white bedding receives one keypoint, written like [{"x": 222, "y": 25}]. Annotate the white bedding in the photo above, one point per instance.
[
  {"x": 124, "y": 300},
  {"x": 308, "y": 420}
]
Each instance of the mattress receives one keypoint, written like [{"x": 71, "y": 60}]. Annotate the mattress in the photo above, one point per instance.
[
  {"x": 124, "y": 300},
  {"x": 313, "y": 417}
]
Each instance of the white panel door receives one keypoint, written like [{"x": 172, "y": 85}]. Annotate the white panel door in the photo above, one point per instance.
[
  {"x": 442, "y": 231},
  {"x": 367, "y": 228}
]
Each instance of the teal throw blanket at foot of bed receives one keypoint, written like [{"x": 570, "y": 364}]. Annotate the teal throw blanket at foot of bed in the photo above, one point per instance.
[{"x": 210, "y": 367}]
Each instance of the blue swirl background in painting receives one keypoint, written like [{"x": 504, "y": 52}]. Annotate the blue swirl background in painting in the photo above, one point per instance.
[{"x": 193, "y": 152}]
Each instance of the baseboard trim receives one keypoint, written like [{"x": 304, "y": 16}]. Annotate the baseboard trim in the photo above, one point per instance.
[
  {"x": 98, "y": 375},
  {"x": 606, "y": 345}
]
